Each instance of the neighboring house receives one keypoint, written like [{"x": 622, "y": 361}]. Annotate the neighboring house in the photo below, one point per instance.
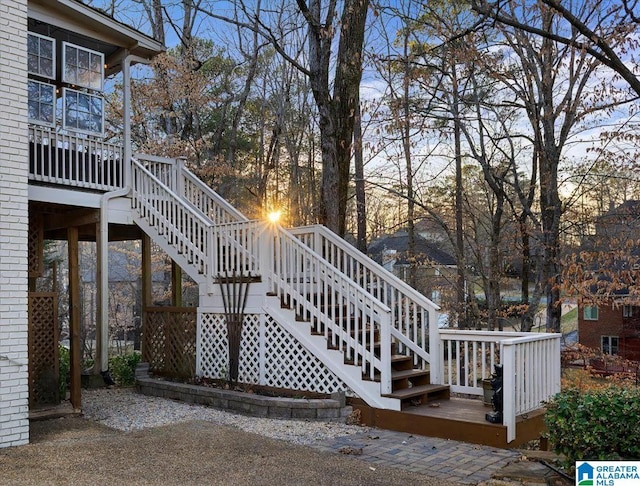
[
  {"x": 434, "y": 269},
  {"x": 613, "y": 325}
]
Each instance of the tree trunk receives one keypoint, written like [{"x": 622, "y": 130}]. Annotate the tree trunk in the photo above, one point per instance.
[{"x": 361, "y": 206}]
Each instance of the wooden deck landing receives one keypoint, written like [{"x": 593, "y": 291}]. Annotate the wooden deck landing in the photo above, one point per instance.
[{"x": 455, "y": 419}]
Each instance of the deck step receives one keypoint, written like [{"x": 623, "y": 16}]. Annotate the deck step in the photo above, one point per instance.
[{"x": 419, "y": 395}]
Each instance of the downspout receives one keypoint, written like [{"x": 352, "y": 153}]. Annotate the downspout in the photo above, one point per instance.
[{"x": 102, "y": 331}]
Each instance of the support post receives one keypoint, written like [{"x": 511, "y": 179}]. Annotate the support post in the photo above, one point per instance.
[
  {"x": 97, "y": 365},
  {"x": 74, "y": 316},
  {"x": 146, "y": 288},
  {"x": 176, "y": 285},
  {"x": 508, "y": 359}
]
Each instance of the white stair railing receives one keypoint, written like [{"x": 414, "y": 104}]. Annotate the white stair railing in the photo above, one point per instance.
[
  {"x": 414, "y": 318},
  {"x": 348, "y": 315},
  {"x": 186, "y": 231},
  {"x": 206, "y": 200}
]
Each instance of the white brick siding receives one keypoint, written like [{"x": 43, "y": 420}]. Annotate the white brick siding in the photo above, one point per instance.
[{"x": 14, "y": 213}]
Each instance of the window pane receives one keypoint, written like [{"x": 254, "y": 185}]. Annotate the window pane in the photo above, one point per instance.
[
  {"x": 47, "y": 113},
  {"x": 32, "y": 63},
  {"x": 32, "y": 44},
  {"x": 46, "y": 67},
  {"x": 83, "y": 59},
  {"x": 33, "y": 110},
  {"x": 46, "y": 95},
  {"x": 96, "y": 63},
  {"x": 46, "y": 49}
]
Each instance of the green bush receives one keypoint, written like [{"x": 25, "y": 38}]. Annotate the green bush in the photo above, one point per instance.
[
  {"x": 595, "y": 424},
  {"x": 123, "y": 368},
  {"x": 64, "y": 360}
]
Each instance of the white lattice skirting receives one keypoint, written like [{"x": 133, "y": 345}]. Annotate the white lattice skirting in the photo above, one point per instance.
[{"x": 269, "y": 356}]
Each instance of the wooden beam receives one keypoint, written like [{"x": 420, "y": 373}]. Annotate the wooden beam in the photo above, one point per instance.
[
  {"x": 74, "y": 317},
  {"x": 80, "y": 217}
]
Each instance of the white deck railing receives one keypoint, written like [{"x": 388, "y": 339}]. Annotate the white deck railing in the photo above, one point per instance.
[
  {"x": 531, "y": 367},
  {"x": 414, "y": 318},
  {"x": 74, "y": 160}
]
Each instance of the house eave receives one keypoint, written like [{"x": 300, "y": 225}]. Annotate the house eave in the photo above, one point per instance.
[{"x": 81, "y": 19}]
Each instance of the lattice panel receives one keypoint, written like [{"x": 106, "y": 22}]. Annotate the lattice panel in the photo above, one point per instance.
[
  {"x": 285, "y": 362},
  {"x": 43, "y": 349},
  {"x": 214, "y": 350},
  {"x": 169, "y": 341},
  {"x": 288, "y": 364},
  {"x": 35, "y": 244}
]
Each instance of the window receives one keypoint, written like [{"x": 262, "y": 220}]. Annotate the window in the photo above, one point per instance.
[
  {"x": 82, "y": 111},
  {"x": 82, "y": 67},
  {"x": 627, "y": 311},
  {"x": 590, "y": 313},
  {"x": 41, "y": 103},
  {"x": 610, "y": 344},
  {"x": 41, "y": 59}
]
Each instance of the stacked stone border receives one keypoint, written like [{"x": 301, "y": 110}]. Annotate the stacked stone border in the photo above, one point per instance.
[{"x": 334, "y": 408}]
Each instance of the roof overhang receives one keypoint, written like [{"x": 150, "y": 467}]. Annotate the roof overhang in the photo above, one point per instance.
[{"x": 80, "y": 19}]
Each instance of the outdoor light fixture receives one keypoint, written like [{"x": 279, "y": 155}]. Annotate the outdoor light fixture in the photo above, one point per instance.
[{"x": 274, "y": 216}]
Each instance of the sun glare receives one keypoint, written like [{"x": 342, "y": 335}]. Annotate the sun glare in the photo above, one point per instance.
[{"x": 274, "y": 216}]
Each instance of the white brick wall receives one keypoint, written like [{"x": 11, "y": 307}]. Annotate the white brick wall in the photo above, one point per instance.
[{"x": 14, "y": 213}]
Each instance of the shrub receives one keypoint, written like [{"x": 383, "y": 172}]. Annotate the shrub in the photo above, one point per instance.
[
  {"x": 123, "y": 368},
  {"x": 64, "y": 360},
  {"x": 595, "y": 424}
]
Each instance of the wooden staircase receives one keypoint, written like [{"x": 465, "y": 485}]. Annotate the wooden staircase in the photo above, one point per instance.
[{"x": 409, "y": 384}]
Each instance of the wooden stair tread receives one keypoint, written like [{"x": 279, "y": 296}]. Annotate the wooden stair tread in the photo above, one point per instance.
[
  {"x": 395, "y": 358},
  {"x": 417, "y": 391},
  {"x": 401, "y": 374}
]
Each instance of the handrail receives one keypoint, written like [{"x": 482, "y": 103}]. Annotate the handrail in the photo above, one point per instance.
[
  {"x": 413, "y": 316},
  {"x": 206, "y": 199}
]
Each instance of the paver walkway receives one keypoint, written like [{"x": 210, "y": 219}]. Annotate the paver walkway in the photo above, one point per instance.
[{"x": 437, "y": 458}]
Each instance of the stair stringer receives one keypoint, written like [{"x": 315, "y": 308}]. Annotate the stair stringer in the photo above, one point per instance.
[
  {"x": 171, "y": 250},
  {"x": 369, "y": 391}
]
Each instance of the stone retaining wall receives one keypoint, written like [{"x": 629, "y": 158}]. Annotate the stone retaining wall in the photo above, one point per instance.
[{"x": 333, "y": 408}]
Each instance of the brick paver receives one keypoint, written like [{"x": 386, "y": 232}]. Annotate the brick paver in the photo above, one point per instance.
[{"x": 438, "y": 458}]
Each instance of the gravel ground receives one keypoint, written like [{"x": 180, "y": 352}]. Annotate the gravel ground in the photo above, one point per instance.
[
  {"x": 124, "y": 409},
  {"x": 190, "y": 451}
]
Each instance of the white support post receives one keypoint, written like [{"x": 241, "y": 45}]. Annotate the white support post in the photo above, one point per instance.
[
  {"x": 199, "y": 340},
  {"x": 436, "y": 366},
  {"x": 265, "y": 265},
  {"x": 262, "y": 350},
  {"x": 385, "y": 353},
  {"x": 179, "y": 177},
  {"x": 212, "y": 260},
  {"x": 126, "y": 108},
  {"x": 508, "y": 360}
]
